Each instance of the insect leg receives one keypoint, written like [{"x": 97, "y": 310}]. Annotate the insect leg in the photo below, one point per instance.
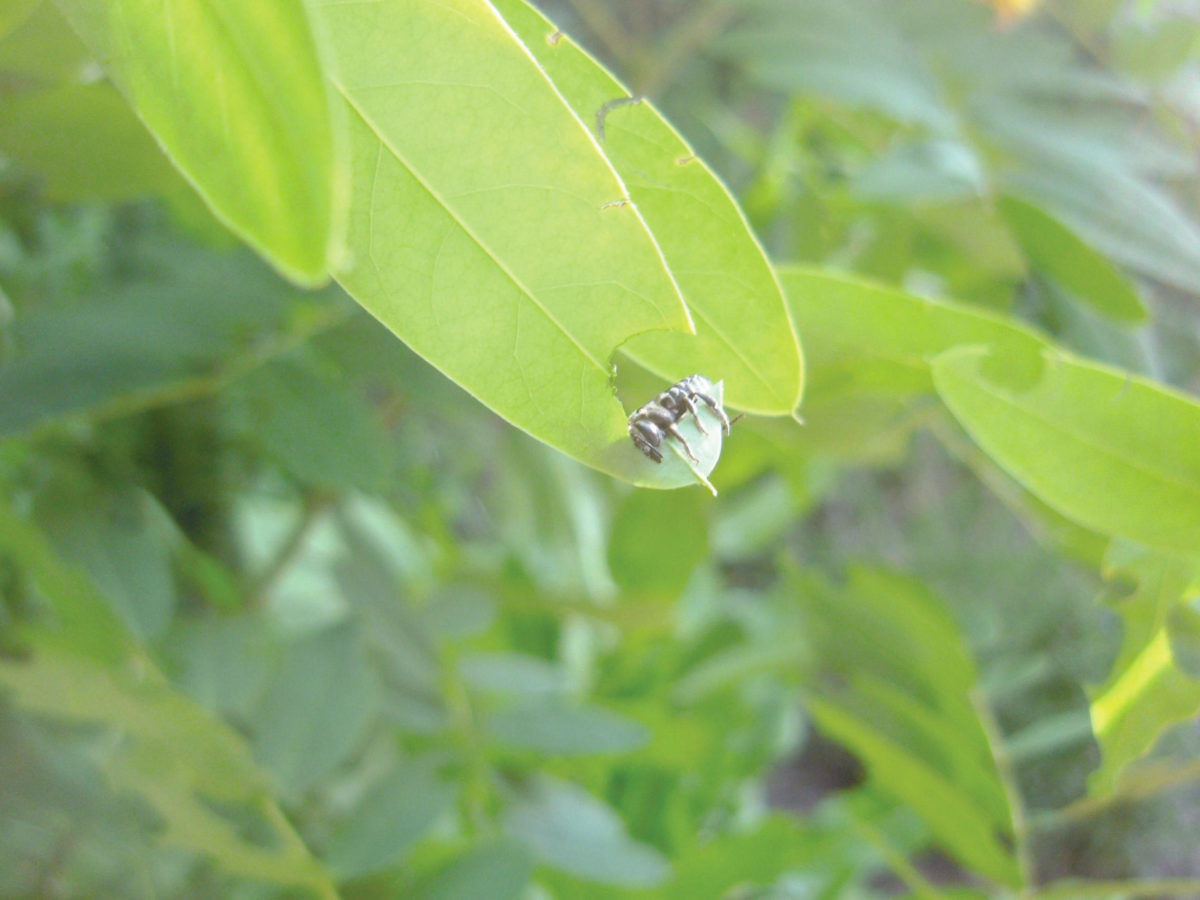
[
  {"x": 716, "y": 408},
  {"x": 675, "y": 433},
  {"x": 687, "y": 401}
]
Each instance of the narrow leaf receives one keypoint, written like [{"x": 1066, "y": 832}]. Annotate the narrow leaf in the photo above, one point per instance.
[
  {"x": 1058, "y": 252},
  {"x": 1114, "y": 452},
  {"x": 235, "y": 94},
  {"x": 960, "y": 826}
]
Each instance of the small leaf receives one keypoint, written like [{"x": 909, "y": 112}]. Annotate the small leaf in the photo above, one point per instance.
[
  {"x": 1112, "y": 451},
  {"x": 395, "y": 813},
  {"x": 514, "y": 673},
  {"x": 1056, "y": 250},
  {"x": 958, "y": 824},
  {"x": 676, "y": 468},
  {"x": 113, "y": 536},
  {"x": 490, "y": 871},
  {"x": 556, "y": 727},
  {"x": 898, "y": 693},
  {"x": 569, "y": 829},
  {"x": 315, "y": 709}
]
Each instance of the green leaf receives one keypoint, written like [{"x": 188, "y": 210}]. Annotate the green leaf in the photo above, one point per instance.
[
  {"x": 41, "y": 49},
  {"x": 395, "y": 813},
  {"x": 958, "y": 824},
  {"x": 569, "y": 829},
  {"x": 487, "y": 229},
  {"x": 125, "y": 342},
  {"x": 1058, "y": 252},
  {"x": 656, "y": 541},
  {"x": 176, "y": 756},
  {"x": 555, "y": 727},
  {"x": 14, "y": 13},
  {"x": 321, "y": 430},
  {"x": 223, "y": 661},
  {"x": 744, "y": 335},
  {"x": 1112, "y": 451},
  {"x": 490, "y": 871},
  {"x": 1147, "y": 691},
  {"x": 515, "y": 673},
  {"x": 88, "y": 625},
  {"x": 898, "y": 694},
  {"x": 86, "y": 144},
  {"x": 113, "y": 536},
  {"x": 236, "y": 96},
  {"x": 865, "y": 338},
  {"x": 84, "y": 667},
  {"x": 315, "y": 709},
  {"x": 870, "y": 351}
]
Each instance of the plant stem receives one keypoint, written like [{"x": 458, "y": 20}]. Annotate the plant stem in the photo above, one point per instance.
[
  {"x": 1085, "y": 890},
  {"x": 1138, "y": 785},
  {"x": 1008, "y": 780},
  {"x": 314, "y": 506},
  {"x": 699, "y": 29},
  {"x": 899, "y": 863}
]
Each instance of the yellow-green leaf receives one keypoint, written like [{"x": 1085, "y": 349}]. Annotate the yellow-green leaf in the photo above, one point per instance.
[
  {"x": 1112, "y": 451},
  {"x": 236, "y": 95},
  {"x": 487, "y": 229}
]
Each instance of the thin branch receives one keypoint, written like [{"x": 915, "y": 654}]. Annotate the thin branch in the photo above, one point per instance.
[
  {"x": 1008, "y": 780},
  {"x": 599, "y": 19},
  {"x": 315, "y": 505},
  {"x": 696, "y": 31},
  {"x": 183, "y": 390},
  {"x": 897, "y": 861},
  {"x": 1138, "y": 785},
  {"x": 1086, "y": 890}
]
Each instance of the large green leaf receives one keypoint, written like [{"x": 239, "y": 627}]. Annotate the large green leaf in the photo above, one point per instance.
[
  {"x": 1147, "y": 691},
  {"x": 1114, "y": 452},
  {"x": 487, "y": 229},
  {"x": 865, "y": 338},
  {"x": 235, "y": 94},
  {"x": 85, "y": 142},
  {"x": 744, "y": 335},
  {"x": 870, "y": 351}
]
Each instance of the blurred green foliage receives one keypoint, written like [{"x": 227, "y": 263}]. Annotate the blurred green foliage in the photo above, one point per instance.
[{"x": 287, "y": 612}]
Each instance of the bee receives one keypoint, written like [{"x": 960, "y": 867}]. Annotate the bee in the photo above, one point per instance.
[{"x": 654, "y": 422}]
